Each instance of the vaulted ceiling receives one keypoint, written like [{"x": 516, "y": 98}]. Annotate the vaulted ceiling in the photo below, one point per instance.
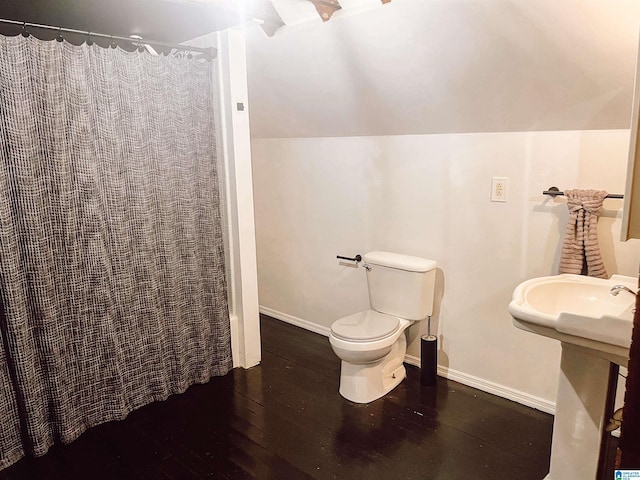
[{"x": 447, "y": 66}]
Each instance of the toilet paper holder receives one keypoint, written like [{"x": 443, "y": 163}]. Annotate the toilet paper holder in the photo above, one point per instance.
[{"x": 357, "y": 258}]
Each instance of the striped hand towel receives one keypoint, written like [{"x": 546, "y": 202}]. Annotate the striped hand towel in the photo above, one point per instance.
[{"x": 580, "y": 251}]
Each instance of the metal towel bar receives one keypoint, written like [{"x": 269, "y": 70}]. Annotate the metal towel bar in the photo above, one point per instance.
[{"x": 555, "y": 191}]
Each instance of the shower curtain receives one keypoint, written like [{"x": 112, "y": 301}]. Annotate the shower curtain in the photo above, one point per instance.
[{"x": 111, "y": 251}]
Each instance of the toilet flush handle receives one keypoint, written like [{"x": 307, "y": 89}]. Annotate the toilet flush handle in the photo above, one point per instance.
[{"x": 367, "y": 267}]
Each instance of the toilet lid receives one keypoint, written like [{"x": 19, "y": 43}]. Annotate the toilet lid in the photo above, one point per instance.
[{"x": 365, "y": 326}]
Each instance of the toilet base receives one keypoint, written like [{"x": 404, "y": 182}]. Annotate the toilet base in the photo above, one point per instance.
[{"x": 364, "y": 383}]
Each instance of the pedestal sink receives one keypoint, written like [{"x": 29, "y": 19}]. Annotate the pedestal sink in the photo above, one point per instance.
[{"x": 594, "y": 328}]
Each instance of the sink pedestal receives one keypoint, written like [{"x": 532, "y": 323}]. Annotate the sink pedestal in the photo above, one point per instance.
[{"x": 580, "y": 414}]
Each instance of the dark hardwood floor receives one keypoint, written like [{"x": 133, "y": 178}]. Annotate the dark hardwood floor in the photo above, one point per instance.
[{"x": 285, "y": 420}]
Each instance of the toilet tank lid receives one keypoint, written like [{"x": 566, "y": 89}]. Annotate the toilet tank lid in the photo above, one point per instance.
[{"x": 399, "y": 261}]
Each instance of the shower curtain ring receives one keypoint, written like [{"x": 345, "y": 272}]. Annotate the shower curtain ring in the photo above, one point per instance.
[
  {"x": 25, "y": 34},
  {"x": 89, "y": 39},
  {"x": 113, "y": 43},
  {"x": 59, "y": 37}
]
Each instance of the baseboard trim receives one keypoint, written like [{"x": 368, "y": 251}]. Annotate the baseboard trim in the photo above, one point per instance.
[
  {"x": 449, "y": 373},
  {"x": 490, "y": 387},
  {"x": 298, "y": 322}
]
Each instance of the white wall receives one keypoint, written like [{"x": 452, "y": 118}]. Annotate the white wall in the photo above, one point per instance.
[
  {"x": 381, "y": 131},
  {"x": 429, "y": 195}
]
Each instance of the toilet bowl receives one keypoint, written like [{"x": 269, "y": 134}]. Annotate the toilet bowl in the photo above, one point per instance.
[
  {"x": 371, "y": 346},
  {"x": 372, "y": 343}
]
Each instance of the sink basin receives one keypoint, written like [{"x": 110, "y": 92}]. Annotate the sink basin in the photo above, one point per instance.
[{"x": 578, "y": 306}]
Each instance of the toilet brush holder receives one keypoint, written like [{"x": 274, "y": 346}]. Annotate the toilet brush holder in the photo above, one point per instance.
[{"x": 428, "y": 360}]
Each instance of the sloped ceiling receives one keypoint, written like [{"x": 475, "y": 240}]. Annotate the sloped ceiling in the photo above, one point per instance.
[{"x": 448, "y": 66}]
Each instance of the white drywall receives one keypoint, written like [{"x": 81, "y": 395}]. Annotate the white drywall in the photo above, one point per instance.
[{"x": 429, "y": 195}]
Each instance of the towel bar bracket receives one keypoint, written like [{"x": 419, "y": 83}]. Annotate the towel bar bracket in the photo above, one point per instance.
[{"x": 553, "y": 192}]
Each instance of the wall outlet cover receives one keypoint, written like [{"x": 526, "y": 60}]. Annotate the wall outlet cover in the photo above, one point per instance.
[{"x": 499, "y": 187}]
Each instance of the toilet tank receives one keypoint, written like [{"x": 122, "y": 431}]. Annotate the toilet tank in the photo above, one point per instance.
[{"x": 401, "y": 285}]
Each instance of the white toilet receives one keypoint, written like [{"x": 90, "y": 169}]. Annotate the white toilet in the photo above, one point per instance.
[{"x": 372, "y": 343}]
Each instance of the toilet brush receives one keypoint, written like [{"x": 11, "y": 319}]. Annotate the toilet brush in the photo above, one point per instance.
[{"x": 428, "y": 357}]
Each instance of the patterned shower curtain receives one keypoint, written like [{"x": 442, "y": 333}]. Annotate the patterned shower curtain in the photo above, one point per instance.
[{"x": 111, "y": 251}]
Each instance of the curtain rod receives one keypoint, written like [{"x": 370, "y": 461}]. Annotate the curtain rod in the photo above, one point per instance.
[{"x": 136, "y": 41}]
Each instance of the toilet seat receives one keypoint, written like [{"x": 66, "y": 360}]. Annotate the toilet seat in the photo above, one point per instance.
[{"x": 365, "y": 326}]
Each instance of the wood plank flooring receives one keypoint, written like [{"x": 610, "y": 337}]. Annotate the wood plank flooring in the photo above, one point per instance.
[{"x": 285, "y": 420}]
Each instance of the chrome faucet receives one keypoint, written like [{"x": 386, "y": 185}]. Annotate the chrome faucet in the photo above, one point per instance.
[{"x": 615, "y": 290}]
